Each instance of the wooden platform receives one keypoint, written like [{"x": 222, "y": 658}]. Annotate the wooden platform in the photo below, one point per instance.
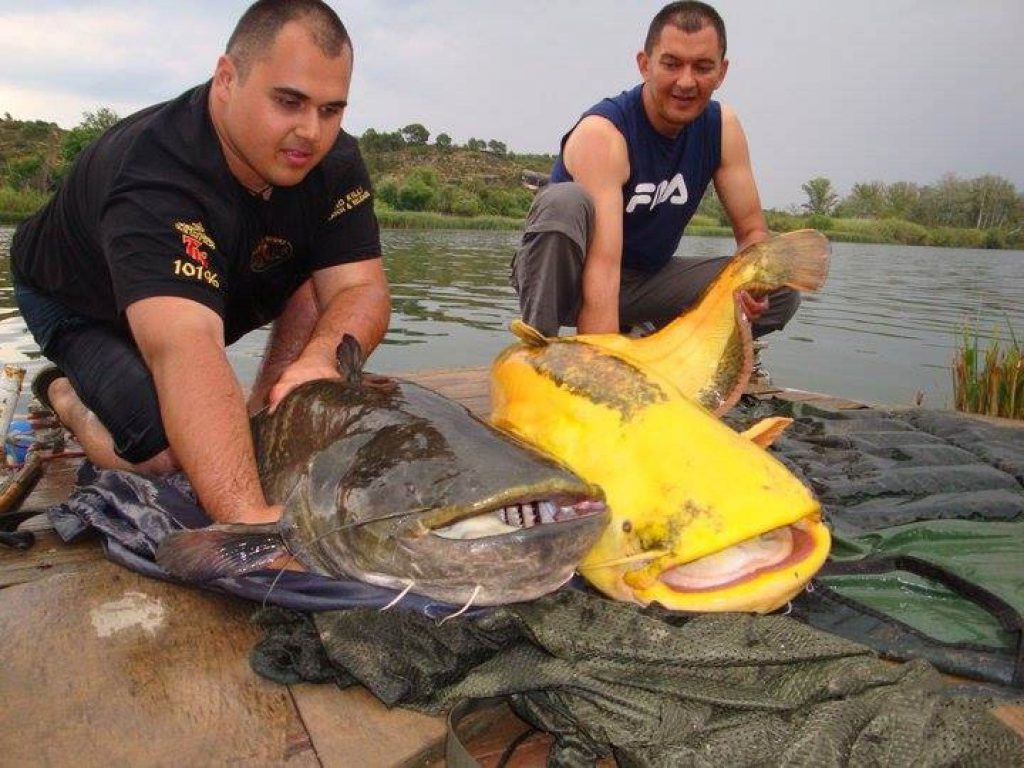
[{"x": 105, "y": 667}]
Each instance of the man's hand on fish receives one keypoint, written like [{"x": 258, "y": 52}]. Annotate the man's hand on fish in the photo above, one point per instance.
[
  {"x": 752, "y": 307},
  {"x": 260, "y": 515},
  {"x": 305, "y": 368}
]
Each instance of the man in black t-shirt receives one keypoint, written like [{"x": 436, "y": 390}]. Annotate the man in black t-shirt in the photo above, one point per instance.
[{"x": 191, "y": 223}]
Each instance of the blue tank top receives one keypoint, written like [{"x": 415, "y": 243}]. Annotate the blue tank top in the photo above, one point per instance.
[{"x": 667, "y": 177}]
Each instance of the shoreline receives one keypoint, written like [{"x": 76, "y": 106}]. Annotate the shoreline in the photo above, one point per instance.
[{"x": 428, "y": 220}]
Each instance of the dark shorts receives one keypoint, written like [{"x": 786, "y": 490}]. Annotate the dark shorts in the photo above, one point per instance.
[{"x": 105, "y": 368}]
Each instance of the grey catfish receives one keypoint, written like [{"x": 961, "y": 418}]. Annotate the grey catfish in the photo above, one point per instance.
[{"x": 390, "y": 483}]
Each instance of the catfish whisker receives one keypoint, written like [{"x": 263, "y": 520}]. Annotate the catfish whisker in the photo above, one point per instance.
[
  {"x": 463, "y": 609},
  {"x": 402, "y": 594},
  {"x": 277, "y": 578}
]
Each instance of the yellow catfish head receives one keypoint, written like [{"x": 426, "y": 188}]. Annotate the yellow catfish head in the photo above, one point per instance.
[{"x": 703, "y": 518}]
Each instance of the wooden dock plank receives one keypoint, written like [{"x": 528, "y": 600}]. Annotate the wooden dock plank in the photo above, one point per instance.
[
  {"x": 106, "y": 667},
  {"x": 343, "y": 723},
  {"x": 49, "y": 556}
]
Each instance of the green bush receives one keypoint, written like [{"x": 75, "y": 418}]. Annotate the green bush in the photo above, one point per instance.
[
  {"x": 387, "y": 192},
  {"x": 780, "y": 221},
  {"x": 903, "y": 232},
  {"x": 466, "y": 204},
  {"x": 415, "y": 195},
  {"x": 820, "y": 221}
]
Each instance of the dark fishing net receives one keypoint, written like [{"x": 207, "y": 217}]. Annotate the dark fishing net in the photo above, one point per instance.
[{"x": 658, "y": 689}]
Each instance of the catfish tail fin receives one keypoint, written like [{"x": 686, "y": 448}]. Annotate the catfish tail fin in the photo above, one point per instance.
[{"x": 706, "y": 351}]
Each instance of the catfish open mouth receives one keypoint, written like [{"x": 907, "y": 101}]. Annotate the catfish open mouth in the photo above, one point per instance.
[
  {"x": 522, "y": 515},
  {"x": 772, "y": 551}
]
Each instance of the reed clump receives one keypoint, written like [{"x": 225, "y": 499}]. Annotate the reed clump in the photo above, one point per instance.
[{"x": 989, "y": 381}]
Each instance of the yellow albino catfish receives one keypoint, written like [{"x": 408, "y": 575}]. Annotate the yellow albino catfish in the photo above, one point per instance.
[{"x": 703, "y": 518}]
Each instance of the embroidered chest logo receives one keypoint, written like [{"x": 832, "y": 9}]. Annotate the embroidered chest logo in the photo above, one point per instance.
[
  {"x": 269, "y": 252},
  {"x": 348, "y": 201},
  {"x": 672, "y": 191},
  {"x": 194, "y": 237}
]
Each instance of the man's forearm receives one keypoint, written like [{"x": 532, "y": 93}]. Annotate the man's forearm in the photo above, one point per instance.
[
  {"x": 362, "y": 311},
  {"x": 205, "y": 419}
]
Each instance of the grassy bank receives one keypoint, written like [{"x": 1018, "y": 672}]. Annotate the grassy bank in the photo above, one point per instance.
[
  {"x": 16, "y": 205},
  {"x": 897, "y": 232}
]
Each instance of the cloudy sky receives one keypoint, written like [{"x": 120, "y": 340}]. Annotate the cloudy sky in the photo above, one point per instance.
[{"x": 853, "y": 90}]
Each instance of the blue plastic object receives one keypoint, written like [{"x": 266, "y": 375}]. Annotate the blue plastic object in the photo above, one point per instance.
[{"x": 19, "y": 439}]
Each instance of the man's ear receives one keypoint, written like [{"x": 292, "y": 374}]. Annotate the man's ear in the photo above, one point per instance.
[
  {"x": 643, "y": 63},
  {"x": 225, "y": 75},
  {"x": 721, "y": 75}
]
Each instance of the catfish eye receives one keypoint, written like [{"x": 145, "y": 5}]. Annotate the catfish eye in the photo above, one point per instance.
[{"x": 627, "y": 526}]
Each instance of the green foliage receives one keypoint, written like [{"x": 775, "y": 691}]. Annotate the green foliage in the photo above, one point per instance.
[
  {"x": 711, "y": 207},
  {"x": 989, "y": 381},
  {"x": 387, "y": 191},
  {"x": 820, "y": 221},
  {"x": 443, "y": 140},
  {"x": 372, "y": 142},
  {"x": 415, "y": 134},
  {"x": 17, "y": 204},
  {"x": 466, "y": 204},
  {"x": 83, "y": 134},
  {"x": 821, "y": 198},
  {"x": 414, "y": 195},
  {"x": 902, "y": 232},
  {"x": 23, "y": 173}
]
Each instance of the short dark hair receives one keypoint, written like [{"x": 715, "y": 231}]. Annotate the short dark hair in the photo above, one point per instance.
[
  {"x": 689, "y": 16},
  {"x": 257, "y": 29}
]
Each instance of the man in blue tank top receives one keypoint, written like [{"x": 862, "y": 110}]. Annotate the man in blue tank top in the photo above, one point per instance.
[{"x": 597, "y": 251}]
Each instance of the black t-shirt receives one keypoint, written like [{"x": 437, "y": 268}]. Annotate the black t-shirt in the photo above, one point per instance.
[{"x": 151, "y": 209}]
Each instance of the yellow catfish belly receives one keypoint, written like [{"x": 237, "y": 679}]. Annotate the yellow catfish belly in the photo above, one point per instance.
[{"x": 681, "y": 485}]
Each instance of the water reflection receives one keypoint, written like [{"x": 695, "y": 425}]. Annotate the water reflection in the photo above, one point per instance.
[{"x": 884, "y": 328}]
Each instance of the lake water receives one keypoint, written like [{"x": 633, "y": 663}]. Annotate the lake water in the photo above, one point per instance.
[{"x": 885, "y": 326}]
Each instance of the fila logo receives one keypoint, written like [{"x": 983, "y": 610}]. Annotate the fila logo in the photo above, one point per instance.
[{"x": 646, "y": 193}]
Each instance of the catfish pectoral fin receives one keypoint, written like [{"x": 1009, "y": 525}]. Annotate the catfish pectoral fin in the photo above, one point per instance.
[{"x": 211, "y": 553}]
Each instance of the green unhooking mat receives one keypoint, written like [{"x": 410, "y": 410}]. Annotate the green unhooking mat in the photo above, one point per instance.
[
  {"x": 927, "y": 514},
  {"x": 926, "y": 510}
]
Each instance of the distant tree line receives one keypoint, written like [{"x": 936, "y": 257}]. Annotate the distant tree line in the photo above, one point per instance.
[
  {"x": 482, "y": 177},
  {"x": 417, "y": 135},
  {"x": 985, "y": 202}
]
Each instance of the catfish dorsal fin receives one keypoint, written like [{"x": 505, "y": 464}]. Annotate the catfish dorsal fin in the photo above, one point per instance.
[
  {"x": 529, "y": 335},
  {"x": 350, "y": 359}
]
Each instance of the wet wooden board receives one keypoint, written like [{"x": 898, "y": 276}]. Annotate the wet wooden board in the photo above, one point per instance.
[
  {"x": 106, "y": 667},
  {"x": 49, "y": 556},
  {"x": 343, "y": 723}
]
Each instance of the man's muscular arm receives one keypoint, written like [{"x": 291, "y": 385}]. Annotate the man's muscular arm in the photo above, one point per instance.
[
  {"x": 735, "y": 185},
  {"x": 202, "y": 406},
  {"x": 737, "y": 189},
  {"x": 596, "y": 156},
  {"x": 353, "y": 299}
]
